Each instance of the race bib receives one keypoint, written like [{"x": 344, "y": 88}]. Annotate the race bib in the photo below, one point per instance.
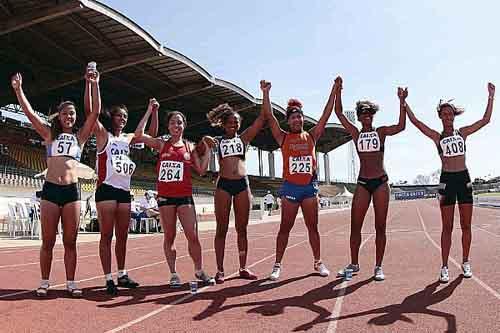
[
  {"x": 122, "y": 165},
  {"x": 300, "y": 164},
  {"x": 171, "y": 171},
  {"x": 368, "y": 142},
  {"x": 453, "y": 146},
  {"x": 65, "y": 145},
  {"x": 231, "y": 147}
]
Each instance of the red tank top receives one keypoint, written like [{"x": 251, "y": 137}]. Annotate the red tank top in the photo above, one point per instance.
[
  {"x": 299, "y": 158},
  {"x": 174, "y": 171}
]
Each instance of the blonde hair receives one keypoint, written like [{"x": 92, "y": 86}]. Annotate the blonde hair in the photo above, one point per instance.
[{"x": 218, "y": 115}]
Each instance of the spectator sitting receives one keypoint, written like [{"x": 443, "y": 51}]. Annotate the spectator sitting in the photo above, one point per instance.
[{"x": 149, "y": 207}]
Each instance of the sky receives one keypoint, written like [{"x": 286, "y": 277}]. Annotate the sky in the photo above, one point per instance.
[{"x": 438, "y": 49}]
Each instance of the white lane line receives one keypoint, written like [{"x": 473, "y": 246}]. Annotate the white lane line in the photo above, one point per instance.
[
  {"x": 476, "y": 279},
  {"x": 188, "y": 296},
  {"x": 487, "y": 231},
  {"x": 332, "y": 327},
  {"x": 101, "y": 275}
]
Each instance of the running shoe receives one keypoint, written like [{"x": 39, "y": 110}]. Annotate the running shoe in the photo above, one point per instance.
[
  {"x": 321, "y": 268},
  {"x": 467, "y": 269},
  {"x": 353, "y": 267},
  {"x": 247, "y": 274},
  {"x": 111, "y": 288},
  {"x": 205, "y": 278},
  {"x": 42, "y": 290},
  {"x": 73, "y": 290},
  {"x": 378, "y": 274},
  {"x": 127, "y": 282},
  {"x": 444, "y": 276},
  {"x": 275, "y": 274},
  {"x": 219, "y": 277},
  {"x": 175, "y": 281}
]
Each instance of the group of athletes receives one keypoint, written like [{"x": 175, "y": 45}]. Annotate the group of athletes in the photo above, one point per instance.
[{"x": 177, "y": 158}]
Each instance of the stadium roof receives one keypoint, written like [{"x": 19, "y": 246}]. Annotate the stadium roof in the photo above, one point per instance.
[{"x": 50, "y": 42}]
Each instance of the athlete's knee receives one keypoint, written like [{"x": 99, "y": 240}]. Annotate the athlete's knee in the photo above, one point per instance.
[
  {"x": 447, "y": 229},
  {"x": 48, "y": 244},
  {"x": 221, "y": 231},
  {"x": 241, "y": 231},
  {"x": 106, "y": 237},
  {"x": 69, "y": 243},
  {"x": 466, "y": 227},
  {"x": 284, "y": 230}
]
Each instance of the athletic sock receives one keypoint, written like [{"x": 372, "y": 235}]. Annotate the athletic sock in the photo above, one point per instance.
[
  {"x": 122, "y": 273},
  {"x": 109, "y": 277}
]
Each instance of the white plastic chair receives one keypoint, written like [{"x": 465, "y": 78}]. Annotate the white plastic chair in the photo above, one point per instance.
[{"x": 13, "y": 220}]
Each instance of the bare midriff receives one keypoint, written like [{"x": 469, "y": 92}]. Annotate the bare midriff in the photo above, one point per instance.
[
  {"x": 232, "y": 167},
  {"x": 371, "y": 165},
  {"x": 61, "y": 170},
  {"x": 453, "y": 164}
]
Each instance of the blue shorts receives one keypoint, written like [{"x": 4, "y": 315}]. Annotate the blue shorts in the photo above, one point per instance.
[{"x": 297, "y": 193}]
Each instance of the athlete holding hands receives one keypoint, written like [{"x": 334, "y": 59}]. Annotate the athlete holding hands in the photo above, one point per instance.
[
  {"x": 300, "y": 186},
  {"x": 455, "y": 183},
  {"x": 372, "y": 180},
  {"x": 60, "y": 194}
]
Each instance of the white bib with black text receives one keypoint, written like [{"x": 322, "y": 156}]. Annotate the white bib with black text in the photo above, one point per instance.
[
  {"x": 171, "y": 171},
  {"x": 300, "y": 164},
  {"x": 231, "y": 147},
  {"x": 368, "y": 142},
  {"x": 453, "y": 145}
]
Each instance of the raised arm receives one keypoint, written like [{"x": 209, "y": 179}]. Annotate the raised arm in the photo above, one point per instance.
[
  {"x": 200, "y": 162},
  {"x": 468, "y": 130},
  {"x": 400, "y": 126},
  {"x": 339, "y": 110},
  {"x": 250, "y": 133},
  {"x": 319, "y": 128},
  {"x": 153, "y": 107},
  {"x": 87, "y": 98},
  {"x": 38, "y": 124},
  {"x": 429, "y": 132},
  {"x": 91, "y": 119},
  {"x": 140, "y": 136},
  {"x": 153, "y": 126},
  {"x": 278, "y": 133}
]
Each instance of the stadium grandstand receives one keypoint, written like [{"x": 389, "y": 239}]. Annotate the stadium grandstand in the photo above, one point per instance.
[{"x": 50, "y": 42}]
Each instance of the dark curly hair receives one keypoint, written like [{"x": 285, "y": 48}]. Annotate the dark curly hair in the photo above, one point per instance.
[
  {"x": 218, "y": 116},
  {"x": 366, "y": 106}
]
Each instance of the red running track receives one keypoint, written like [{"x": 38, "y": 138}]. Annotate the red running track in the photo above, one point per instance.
[{"x": 409, "y": 300}]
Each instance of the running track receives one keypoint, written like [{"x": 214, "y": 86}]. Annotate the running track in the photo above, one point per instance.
[{"x": 410, "y": 300}]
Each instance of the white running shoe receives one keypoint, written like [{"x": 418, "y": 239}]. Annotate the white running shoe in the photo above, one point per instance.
[
  {"x": 467, "y": 269},
  {"x": 175, "y": 281},
  {"x": 204, "y": 278},
  {"x": 378, "y": 274},
  {"x": 321, "y": 268},
  {"x": 275, "y": 274},
  {"x": 444, "y": 276},
  {"x": 353, "y": 267}
]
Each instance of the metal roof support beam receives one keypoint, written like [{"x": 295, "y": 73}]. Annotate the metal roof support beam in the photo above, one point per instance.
[
  {"x": 184, "y": 93},
  {"x": 87, "y": 27},
  {"x": 159, "y": 77},
  {"x": 28, "y": 20},
  {"x": 6, "y": 7},
  {"x": 107, "y": 67}
]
